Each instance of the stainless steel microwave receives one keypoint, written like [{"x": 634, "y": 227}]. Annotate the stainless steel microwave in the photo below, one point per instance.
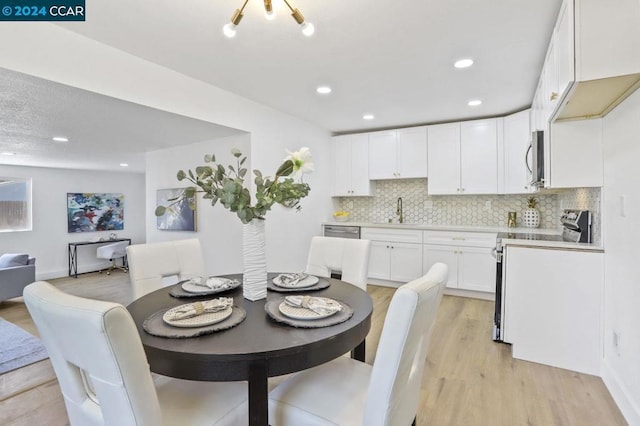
[{"x": 537, "y": 158}]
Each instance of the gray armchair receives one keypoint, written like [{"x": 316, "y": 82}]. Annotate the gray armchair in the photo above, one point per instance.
[{"x": 16, "y": 272}]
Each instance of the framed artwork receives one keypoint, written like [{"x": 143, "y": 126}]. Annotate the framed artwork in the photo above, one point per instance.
[
  {"x": 179, "y": 217},
  {"x": 90, "y": 212}
]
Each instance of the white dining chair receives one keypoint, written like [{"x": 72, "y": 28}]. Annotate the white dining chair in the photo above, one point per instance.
[
  {"x": 114, "y": 252},
  {"x": 349, "y": 257},
  {"x": 349, "y": 392},
  {"x": 103, "y": 372},
  {"x": 149, "y": 264}
]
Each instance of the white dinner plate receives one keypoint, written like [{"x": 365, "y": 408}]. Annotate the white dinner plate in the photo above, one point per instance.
[
  {"x": 217, "y": 282},
  {"x": 208, "y": 318},
  {"x": 304, "y": 313},
  {"x": 307, "y": 282}
]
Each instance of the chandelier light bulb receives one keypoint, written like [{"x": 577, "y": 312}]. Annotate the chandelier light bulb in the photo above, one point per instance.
[
  {"x": 270, "y": 15},
  {"x": 229, "y": 30},
  {"x": 307, "y": 28}
]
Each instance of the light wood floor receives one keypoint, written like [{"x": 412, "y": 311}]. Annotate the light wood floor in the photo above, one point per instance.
[{"x": 469, "y": 379}]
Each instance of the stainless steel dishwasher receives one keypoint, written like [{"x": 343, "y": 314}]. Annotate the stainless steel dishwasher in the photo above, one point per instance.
[{"x": 342, "y": 231}]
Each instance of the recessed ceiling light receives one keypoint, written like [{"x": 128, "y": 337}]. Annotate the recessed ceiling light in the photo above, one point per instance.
[
  {"x": 124, "y": 165},
  {"x": 323, "y": 90},
  {"x": 60, "y": 139},
  {"x": 463, "y": 63},
  {"x": 368, "y": 117},
  {"x": 7, "y": 153},
  {"x": 474, "y": 102}
]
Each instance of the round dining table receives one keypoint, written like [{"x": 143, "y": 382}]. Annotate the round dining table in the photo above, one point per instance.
[{"x": 258, "y": 347}]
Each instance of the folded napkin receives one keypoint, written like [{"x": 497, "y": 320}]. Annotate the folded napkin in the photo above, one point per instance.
[
  {"x": 319, "y": 305},
  {"x": 291, "y": 279},
  {"x": 191, "y": 310},
  {"x": 214, "y": 283}
]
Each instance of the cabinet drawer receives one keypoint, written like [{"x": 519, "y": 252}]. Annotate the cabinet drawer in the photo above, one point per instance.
[
  {"x": 453, "y": 238},
  {"x": 392, "y": 235}
]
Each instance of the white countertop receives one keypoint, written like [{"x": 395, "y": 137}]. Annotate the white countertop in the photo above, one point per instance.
[
  {"x": 460, "y": 228},
  {"x": 525, "y": 237}
]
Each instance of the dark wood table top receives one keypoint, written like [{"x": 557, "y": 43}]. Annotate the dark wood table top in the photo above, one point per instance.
[{"x": 227, "y": 355}]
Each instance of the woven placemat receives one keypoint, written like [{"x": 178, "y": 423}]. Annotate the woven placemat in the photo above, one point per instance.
[
  {"x": 178, "y": 292},
  {"x": 155, "y": 325},
  {"x": 271, "y": 307},
  {"x": 320, "y": 285}
]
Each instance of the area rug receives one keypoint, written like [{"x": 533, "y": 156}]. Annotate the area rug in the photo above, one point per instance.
[{"x": 18, "y": 348}]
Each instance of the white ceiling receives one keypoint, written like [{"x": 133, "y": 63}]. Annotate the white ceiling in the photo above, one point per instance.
[
  {"x": 102, "y": 131},
  {"x": 393, "y": 59}
]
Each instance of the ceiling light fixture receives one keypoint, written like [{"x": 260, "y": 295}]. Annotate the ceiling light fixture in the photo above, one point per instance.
[
  {"x": 323, "y": 90},
  {"x": 368, "y": 117},
  {"x": 124, "y": 165},
  {"x": 60, "y": 139},
  {"x": 463, "y": 63},
  {"x": 7, "y": 153},
  {"x": 229, "y": 29},
  {"x": 474, "y": 102}
]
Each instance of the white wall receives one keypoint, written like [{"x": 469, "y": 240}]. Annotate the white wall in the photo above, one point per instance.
[
  {"x": 219, "y": 231},
  {"x": 621, "y": 231},
  {"x": 49, "y": 238},
  {"x": 50, "y": 52}
]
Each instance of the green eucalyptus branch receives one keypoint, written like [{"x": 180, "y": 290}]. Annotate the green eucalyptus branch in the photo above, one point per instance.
[{"x": 226, "y": 185}]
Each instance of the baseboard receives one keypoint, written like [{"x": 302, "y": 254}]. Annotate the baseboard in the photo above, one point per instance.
[
  {"x": 384, "y": 283},
  {"x": 470, "y": 293},
  {"x": 61, "y": 273},
  {"x": 620, "y": 395}
]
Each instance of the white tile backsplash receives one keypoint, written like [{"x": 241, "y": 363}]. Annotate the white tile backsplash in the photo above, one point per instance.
[{"x": 464, "y": 210}]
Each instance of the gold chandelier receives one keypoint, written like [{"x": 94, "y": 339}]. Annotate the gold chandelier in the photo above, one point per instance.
[{"x": 229, "y": 29}]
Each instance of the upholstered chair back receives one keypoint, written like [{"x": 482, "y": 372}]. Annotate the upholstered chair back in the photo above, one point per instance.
[
  {"x": 98, "y": 358},
  {"x": 394, "y": 390},
  {"x": 347, "y": 256},
  {"x": 150, "y": 263},
  {"x": 112, "y": 251}
]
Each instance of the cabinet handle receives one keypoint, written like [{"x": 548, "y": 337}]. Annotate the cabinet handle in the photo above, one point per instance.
[
  {"x": 458, "y": 190},
  {"x": 458, "y": 238},
  {"x": 554, "y": 96},
  {"x": 387, "y": 246}
]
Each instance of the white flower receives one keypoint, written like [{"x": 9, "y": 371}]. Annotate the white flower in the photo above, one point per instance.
[{"x": 302, "y": 160}]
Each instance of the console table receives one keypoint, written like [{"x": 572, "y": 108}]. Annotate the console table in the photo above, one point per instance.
[{"x": 73, "y": 252}]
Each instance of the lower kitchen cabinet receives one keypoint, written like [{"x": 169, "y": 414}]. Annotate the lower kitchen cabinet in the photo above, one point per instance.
[
  {"x": 395, "y": 261},
  {"x": 553, "y": 306},
  {"x": 396, "y": 254},
  {"x": 468, "y": 255},
  {"x": 470, "y": 268}
]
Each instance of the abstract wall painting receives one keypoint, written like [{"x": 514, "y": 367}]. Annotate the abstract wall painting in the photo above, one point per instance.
[
  {"x": 90, "y": 212},
  {"x": 178, "y": 217}
]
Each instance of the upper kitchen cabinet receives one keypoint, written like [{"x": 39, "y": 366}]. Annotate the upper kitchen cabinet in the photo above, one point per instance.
[
  {"x": 592, "y": 63},
  {"x": 517, "y": 156},
  {"x": 398, "y": 154},
  {"x": 351, "y": 165},
  {"x": 463, "y": 158}
]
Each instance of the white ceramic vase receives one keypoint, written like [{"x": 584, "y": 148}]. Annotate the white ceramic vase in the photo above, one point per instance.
[
  {"x": 531, "y": 218},
  {"x": 254, "y": 274}
]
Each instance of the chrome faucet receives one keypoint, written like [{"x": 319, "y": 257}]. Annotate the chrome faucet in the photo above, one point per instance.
[{"x": 399, "y": 210}]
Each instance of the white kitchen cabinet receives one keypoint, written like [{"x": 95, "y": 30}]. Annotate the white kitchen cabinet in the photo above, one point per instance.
[
  {"x": 468, "y": 256},
  {"x": 398, "y": 154},
  {"x": 592, "y": 61},
  {"x": 553, "y": 306},
  {"x": 463, "y": 158},
  {"x": 444, "y": 159},
  {"x": 396, "y": 255},
  {"x": 516, "y": 141},
  {"x": 479, "y": 157},
  {"x": 576, "y": 154},
  {"x": 351, "y": 165}
]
